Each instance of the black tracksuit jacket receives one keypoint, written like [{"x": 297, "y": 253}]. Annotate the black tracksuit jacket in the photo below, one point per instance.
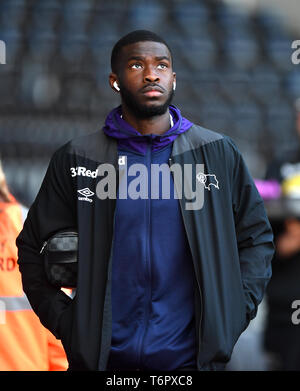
[{"x": 230, "y": 238}]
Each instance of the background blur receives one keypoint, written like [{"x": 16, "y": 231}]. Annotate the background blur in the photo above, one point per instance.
[
  {"x": 234, "y": 75},
  {"x": 233, "y": 64}
]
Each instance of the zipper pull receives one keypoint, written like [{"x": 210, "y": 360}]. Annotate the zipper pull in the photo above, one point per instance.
[{"x": 42, "y": 249}]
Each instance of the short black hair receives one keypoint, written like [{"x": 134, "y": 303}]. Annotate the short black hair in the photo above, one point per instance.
[{"x": 133, "y": 37}]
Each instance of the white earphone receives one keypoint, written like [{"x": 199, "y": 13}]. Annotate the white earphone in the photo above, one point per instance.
[
  {"x": 174, "y": 85},
  {"x": 116, "y": 86}
]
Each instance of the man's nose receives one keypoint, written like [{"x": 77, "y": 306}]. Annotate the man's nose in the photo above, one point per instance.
[{"x": 150, "y": 75}]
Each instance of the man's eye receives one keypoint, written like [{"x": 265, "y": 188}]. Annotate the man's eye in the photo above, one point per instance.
[
  {"x": 162, "y": 66},
  {"x": 136, "y": 66}
]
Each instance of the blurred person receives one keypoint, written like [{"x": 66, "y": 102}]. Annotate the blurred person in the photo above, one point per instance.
[
  {"x": 282, "y": 337},
  {"x": 25, "y": 344},
  {"x": 160, "y": 285}
]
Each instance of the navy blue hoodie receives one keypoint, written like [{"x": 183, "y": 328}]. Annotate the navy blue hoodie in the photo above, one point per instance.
[{"x": 153, "y": 325}]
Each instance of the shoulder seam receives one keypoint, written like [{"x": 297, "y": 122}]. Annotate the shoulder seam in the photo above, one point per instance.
[{"x": 190, "y": 140}]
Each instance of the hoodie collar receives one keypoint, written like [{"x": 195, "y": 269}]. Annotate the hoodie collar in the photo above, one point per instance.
[{"x": 130, "y": 138}]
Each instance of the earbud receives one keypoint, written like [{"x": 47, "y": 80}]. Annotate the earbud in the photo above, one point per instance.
[
  {"x": 116, "y": 86},
  {"x": 174, "y": 85}
]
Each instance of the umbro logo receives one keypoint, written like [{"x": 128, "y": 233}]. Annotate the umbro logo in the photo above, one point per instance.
[{"x": 86, "y": 193}]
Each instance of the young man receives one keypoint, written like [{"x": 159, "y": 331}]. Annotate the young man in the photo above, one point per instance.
[{"x": 164, "y": 282}]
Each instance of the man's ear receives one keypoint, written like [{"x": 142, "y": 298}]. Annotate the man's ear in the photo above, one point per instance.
[{"x": 113, "y": 81}]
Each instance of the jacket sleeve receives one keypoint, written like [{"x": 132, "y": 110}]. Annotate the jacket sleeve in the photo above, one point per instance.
[
  {"x": 54, "y": 209},
  {"x": 254, "y": 236},
  {"x": 56, "y": 354}
]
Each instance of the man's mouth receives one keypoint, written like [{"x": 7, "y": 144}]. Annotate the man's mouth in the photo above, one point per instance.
[{"x": 152, "y": 91}]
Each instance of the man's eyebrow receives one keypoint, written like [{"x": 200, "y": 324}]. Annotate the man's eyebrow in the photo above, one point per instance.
[
  {"x": 141, "y": 58},
  {"x": 162, "y": 58},
  {"x": 138, "y": 58}
]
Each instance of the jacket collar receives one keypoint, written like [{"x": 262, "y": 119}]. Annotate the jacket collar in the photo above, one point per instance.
[{"x": 130, "y": 138}]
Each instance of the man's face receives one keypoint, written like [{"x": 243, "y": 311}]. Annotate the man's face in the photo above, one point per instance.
[{"x": 145, "y": 78}]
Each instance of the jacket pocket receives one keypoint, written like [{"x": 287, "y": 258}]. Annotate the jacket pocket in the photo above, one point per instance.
[
  {"x": 240, "y": 318},
  {"x": 246, "y": 318}
]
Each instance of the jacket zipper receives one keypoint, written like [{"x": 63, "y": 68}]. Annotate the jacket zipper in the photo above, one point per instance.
[
  {"x": 103, "y": 356},
  {"x": 103, "y": 359},
  {"x": 148, "y": 258},
  {"x": 170, "y": 161},
  {"x": 44, "y": 245}
]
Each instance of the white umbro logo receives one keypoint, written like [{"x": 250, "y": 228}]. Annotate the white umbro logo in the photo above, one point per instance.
[{"x": 86, "y": 193}]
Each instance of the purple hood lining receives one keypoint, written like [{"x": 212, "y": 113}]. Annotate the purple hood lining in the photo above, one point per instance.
[{"x": 130, "y": 138}]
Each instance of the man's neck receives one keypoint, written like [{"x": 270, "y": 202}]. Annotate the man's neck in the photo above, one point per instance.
[{"x": 153, "y": 125}]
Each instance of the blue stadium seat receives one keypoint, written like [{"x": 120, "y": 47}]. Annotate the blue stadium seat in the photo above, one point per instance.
[
  {"x": 101, "y": 40},
  {"x": 233, "y": 19},
  {"x": 12, "y": 13},
  {"x": 279, "y": 52},
  {"x": 280, "y": 122},
  {"x": 7, "y": 90},
  {"x": 235, "y": 83},
  {"x": 45, "y": 15},
  {"x": 292, "y": 82},
  {"x": 146, "y": 15},
  {"x": 265, "y": 83},
  {"x": 271, "y": 25},
  {"x": 248, "y": 121},
  {"x": 77, "y": 94},
  {"x": 191, "y": 17},
  {"x": 73, "y": 47},
  {"x": 42, "y": 45},
  {"x": 76, "y": 15},
  {"x": 206, "y": 84},
  {"x": 242, "y": 52},
  {"x": 200, "y": 53},
  {"x": 216, "y": 115}
]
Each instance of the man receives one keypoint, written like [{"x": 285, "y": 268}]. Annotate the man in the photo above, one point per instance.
[
  {"x": 25, "y": 344},
  {"x": 280, "y": 332},
  {"x": 163, "y": 283}
]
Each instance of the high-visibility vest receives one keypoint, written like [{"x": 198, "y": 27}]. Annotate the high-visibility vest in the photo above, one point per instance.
[{"x": 26, "y": 345}]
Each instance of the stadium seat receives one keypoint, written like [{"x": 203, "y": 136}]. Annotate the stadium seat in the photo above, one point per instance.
[
  {"x": 241, "y": 52},
  {"x": 235, "y": 83},
  {"x": 280, "y": 119},
  {"x": 216, "y": 115},
  {"x": 279, "y": 52},
  {"x": 248, "y": 122},
  {"x": 265, "y": 83},
  {"x": 231, "y": 68},
  {"x": 192, "y": 18},
  {"x": 292, "y": 83},
  {"x": 146, "y": 15}
]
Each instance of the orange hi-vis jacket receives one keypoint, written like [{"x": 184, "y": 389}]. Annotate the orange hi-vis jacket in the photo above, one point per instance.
[{"x": 26, "y": 345}]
